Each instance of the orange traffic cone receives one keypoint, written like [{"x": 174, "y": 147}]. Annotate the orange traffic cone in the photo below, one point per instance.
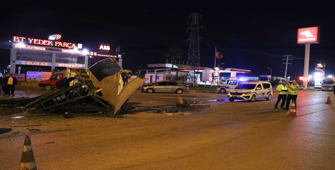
[
  {"x": 27, "y": 160},
  {"x": 328, "y": 99},
  {"x": 293, "y": 111}
]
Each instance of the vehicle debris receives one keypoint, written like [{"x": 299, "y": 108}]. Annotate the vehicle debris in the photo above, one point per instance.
[{"x": 100, "y": 88}]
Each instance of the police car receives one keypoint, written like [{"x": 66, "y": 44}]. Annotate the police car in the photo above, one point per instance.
[{"x": 251, "y": 91}]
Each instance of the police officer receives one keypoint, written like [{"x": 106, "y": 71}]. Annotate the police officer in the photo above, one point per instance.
[
  {"x": 282, "y": 90},
  {"x": 292, "y": 93},
  {"x": 11, "y": 82}
]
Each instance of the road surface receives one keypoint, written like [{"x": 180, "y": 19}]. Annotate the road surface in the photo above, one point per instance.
[{"x": 239, "y": 135}]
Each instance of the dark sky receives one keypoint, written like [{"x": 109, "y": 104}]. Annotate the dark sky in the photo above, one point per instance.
[{"x": 250, "y": 35}]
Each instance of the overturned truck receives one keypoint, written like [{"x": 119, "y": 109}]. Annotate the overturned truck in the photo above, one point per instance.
[{"x": 103, "y": 87}]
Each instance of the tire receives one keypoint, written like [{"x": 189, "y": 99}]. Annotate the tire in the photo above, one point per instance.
[
  {"x": 150, "y": 90},
  {"x": 253, "y": 98},
  {"x": 269, "y": 97},
  {"x": 47, "y": 87},
  {"x": 222, "y": 90},
  {"x": 179, "y": 91},
  {"x": 231, "y": 100}
]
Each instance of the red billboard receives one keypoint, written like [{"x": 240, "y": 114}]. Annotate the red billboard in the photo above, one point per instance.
[{"x": 308, "y": 35}]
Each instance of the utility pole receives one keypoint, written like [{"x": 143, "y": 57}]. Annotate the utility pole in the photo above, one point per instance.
[{"x": 286, "y": 58}]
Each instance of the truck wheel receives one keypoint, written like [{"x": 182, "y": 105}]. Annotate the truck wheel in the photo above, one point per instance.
[
  {"x": 48, "y": 87},
  {"x": 179, "y": 91},
  {"x": 253, "y": 98},
  {"x": 150, "y": 91},
  {"x": 222, "y": 90}
]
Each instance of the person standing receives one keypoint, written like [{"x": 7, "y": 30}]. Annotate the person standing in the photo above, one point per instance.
[
  {"x": 4, "y": 84},
  {"x": 292, "y": 93},
  {"x": 282, "y": 90},
  {"x": 11, "y": 82}
]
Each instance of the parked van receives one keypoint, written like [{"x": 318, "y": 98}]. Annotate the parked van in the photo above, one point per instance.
[
  {"x": 225, "y": 85},
  {"x": 251, "y": 91}
]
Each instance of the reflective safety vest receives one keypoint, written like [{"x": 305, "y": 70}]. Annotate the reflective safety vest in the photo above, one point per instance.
[
  {"x": 293, "y": 89},
  {"x": 10, "y": 81},
  {"x": 282, "y": 89}
]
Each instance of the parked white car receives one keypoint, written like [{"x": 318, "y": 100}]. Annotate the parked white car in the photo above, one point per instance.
[{"x": 251, "y": 91}]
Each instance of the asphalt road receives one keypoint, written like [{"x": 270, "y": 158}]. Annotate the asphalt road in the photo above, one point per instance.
[{"x": 239, "y": 135}]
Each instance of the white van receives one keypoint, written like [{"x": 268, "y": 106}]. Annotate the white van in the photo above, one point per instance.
[
  {"x": 251, "y": 91},
  {"x": 225, "y": 85}
]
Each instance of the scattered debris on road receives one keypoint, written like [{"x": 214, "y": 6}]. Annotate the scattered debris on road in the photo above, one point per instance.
[{"x": 103, "y": 87}]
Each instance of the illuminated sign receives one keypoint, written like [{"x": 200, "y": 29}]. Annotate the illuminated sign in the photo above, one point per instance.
[
  {"x": 304, "y": 79},
  {"x": 70, "y": 65},
  {"x": 20, "y": 77},
  {"x": 37, "y": 63},
  {"x": 29, "y": 47},
  {"x": 43, "y": 42},
  {"x": 308, "y": 35},
  {"x": 104, "y": 47},
  {"x": 233, "y": 74},
  {"x": 72, "y": 51},
  {"x": 216, "y": 74},
  {"x": 55, "y": 37},
  {"x": 319, "y": 74},
  {"x": 38, "y": 75},
  {"x": 101, "y": 55}
]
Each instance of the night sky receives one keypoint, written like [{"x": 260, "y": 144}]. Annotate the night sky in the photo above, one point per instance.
[{"x": 250, "y": 35}]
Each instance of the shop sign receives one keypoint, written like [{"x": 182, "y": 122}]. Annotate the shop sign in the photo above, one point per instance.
[
  {"x": 49, "y": 43},
  {"x": 308, "y": 35}
]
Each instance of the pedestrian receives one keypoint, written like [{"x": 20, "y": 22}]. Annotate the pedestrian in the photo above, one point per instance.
[
  {"x": 292, "y": 93},
  {"x": 11, "y": 82},
  {"x": 282, "y": 90},
  {"x": 4, "y": 84}
]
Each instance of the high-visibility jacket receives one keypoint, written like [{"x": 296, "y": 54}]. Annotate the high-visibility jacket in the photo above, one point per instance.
[
  {"x": 293, "y": 89},
  {"x": 282, "y": 89},
  {"x": 10, "y": 81}
]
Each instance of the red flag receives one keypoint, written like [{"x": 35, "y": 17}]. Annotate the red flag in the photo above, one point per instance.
[{"x": 218, "y": 54}]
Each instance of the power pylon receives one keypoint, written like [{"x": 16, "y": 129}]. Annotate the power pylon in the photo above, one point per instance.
[{"x": 194, "y": 39}]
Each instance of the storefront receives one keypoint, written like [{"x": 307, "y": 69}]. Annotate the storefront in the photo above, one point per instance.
[
  {"x": 32, "y": 54},
  {"x": 187, "y": 74}
]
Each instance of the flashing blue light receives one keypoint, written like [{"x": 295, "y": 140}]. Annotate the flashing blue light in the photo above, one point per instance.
[{"x": 242, "y": 79}]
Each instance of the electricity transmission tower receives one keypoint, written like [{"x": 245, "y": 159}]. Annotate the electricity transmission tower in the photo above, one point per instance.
[
  {"x": 194, "y": 39},
  {"x": 194, "y": 42},
  {"x": 286, "y": 62}
]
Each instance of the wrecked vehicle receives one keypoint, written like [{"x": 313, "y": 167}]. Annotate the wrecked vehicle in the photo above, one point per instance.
[{"x": 102, "y": 87}]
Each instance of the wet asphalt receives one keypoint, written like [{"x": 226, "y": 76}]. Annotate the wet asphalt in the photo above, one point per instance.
[{"x": 238, "y": 135}]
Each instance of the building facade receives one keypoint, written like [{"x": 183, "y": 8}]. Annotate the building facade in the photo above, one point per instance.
[{"x": 33, "y": 54}]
